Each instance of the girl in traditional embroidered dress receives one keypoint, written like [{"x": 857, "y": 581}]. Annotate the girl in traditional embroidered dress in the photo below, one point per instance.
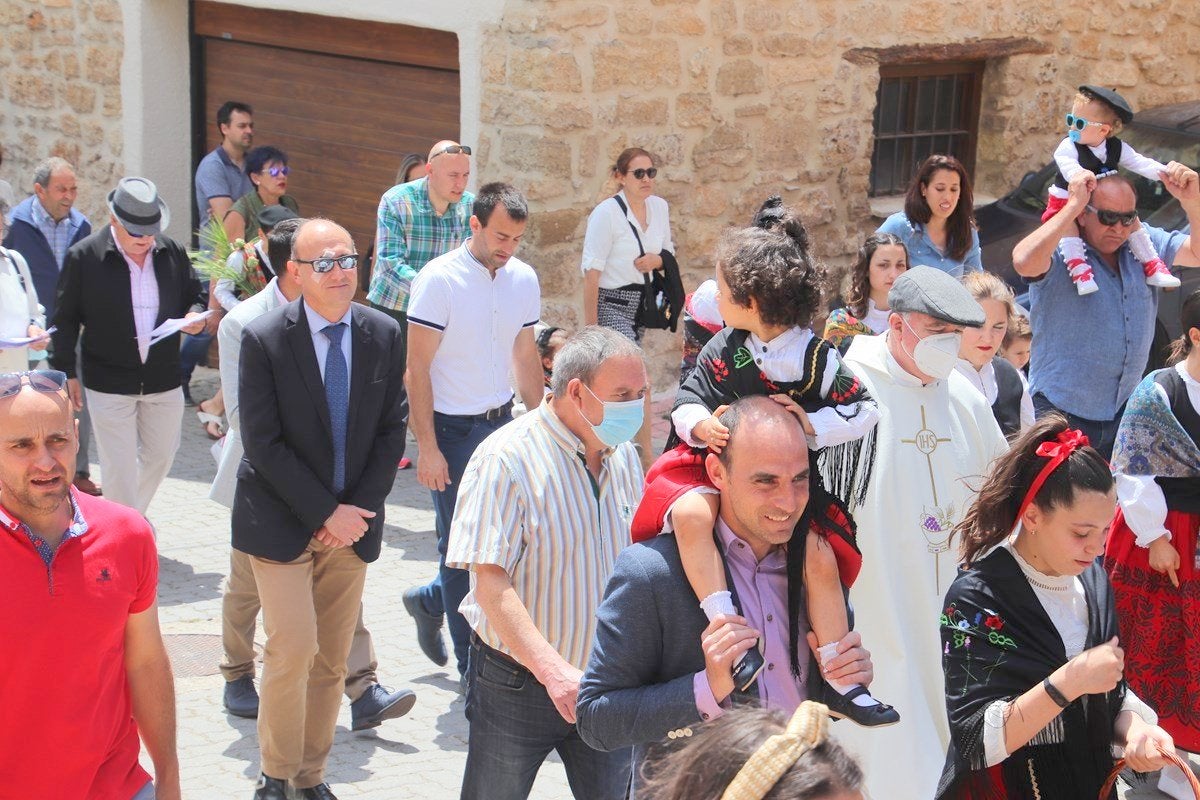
[
  {"x": 768, "y": 290},
  {"x": 881, "y": 259},
  {"x": 1032, "y": 661},
  {"x": 1152, "y": 554}
]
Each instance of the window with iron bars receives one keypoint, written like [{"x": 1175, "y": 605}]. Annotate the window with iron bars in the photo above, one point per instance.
[{"x": 922, "y": 109}]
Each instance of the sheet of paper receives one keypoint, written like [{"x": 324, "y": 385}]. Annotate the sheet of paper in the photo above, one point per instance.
[
  {"x": 22, "y": 341},
  {"x": 174, "y": 326}
]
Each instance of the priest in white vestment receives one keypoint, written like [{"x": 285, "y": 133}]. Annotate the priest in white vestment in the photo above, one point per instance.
[{"x": 935, "y": 441}]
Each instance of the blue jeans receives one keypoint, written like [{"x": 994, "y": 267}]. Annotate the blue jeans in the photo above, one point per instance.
[
  {"x": 1102, "y": 434},
  {"x": 193, "y": 351},
  {"x": 457, "y": 438},
  {"x": 514, "y": 726}
]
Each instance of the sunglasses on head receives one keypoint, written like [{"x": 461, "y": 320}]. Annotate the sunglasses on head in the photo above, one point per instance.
[
  {"x": 1079, "y": 123},
  {"x": 41, "y": 380},
  {"x": 326, "y": 263},
  {"x": 1109, "y": 217},
  {"x": 275, "y": 172},
  {"x": 452, "y": 149},
  {"x": 639, "y": 173}
]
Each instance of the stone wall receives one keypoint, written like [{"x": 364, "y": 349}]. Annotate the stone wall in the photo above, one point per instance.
[
  {"x": 742, "y": 99},
  {"x": 60, "y": 93}
]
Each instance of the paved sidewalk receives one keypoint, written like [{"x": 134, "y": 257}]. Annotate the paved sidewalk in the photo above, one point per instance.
[{"x": 418, "y": 756}]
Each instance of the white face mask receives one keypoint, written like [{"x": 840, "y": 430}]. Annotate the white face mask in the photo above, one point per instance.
[{"x": 935, "y": 355}]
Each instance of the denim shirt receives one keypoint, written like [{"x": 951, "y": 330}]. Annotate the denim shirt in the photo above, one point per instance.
[
  {"x": 922, "y": 250},
  {"x": 1090, "y": 352}
]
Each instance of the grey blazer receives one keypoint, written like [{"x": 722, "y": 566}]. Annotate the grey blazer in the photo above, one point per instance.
[
  {"x": 229, "y": 344},
  {"x": 637, "y": 689}
]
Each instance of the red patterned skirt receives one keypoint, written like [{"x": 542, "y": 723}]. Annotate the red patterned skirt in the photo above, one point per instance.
[{"x": 1160, "y": 625}]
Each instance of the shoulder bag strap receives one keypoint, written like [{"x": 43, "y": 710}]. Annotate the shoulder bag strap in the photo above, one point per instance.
[{"x": 636, "y": 236}]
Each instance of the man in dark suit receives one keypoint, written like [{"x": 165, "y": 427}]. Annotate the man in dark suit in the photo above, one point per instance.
[
  {"x": 119, "y": 284},
  {"x": 308, "y": 507},
  {"x": 658, "y": 666}
]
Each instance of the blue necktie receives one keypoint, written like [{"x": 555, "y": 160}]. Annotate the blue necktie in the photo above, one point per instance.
[{"x": 337, "y": 395}]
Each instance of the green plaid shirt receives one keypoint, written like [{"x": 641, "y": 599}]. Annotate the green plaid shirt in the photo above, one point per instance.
[{"x": 409, "y": 235}]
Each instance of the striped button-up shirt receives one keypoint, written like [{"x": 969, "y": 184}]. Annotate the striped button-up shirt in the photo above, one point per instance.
[
  {"x": 143, "y": 285},
  {"x": 58, "y": 234},
  {"x": 528, "y": 504},
  {"x": 408, "y": 235}
]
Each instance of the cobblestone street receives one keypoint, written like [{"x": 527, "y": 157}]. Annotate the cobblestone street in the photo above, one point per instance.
[{"x": 418, "y": 756}]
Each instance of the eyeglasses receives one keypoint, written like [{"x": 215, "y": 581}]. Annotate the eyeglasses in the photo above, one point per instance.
[
  {"x": 1109, "y": 217},
  {"x": 40, "y": 380},
  {"x": 640, "y": 173},
  {"x": 452, "y": 149},
  {"x": 326, "y": 263},
  {"x": 277, "y": 171},
  {"x": 1079, "y": 123}
]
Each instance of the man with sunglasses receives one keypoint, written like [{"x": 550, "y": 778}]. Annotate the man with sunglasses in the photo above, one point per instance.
[
  {"x": 418, "y": 222},
  {"x": 80, "y": 576},
  {"x": 118, "y": 285},
  {"x": 308, "y": 506},
  {"x": 1090, "y": 351}
]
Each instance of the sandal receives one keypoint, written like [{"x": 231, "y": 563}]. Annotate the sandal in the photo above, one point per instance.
[{"x": 211, "y": 421}]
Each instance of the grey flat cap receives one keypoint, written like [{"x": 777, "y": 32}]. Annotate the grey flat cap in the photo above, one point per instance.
[{"x": 927, "y": 290}]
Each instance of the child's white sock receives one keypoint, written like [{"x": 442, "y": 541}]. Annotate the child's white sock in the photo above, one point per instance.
[
  {"x": 829, "y": 651},
  {"x": 1141, "y": 246},
  {"x": 1072, "y": 249},
  {"x": 718, "y": 603}
]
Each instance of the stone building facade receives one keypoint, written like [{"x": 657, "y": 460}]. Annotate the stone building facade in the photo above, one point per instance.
[{"x": 738, "y": 98}]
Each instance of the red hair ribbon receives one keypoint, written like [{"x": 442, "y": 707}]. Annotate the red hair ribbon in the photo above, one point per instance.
[{"x": 1057, "y": 450}]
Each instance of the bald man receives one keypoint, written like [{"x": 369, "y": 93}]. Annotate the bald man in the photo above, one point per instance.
[
  {"x": 419, "y": 221},
  {"x": 308, "y": 506},
  {"x": 1087, "y": 373},
  {"x": 87, "y": 672}
]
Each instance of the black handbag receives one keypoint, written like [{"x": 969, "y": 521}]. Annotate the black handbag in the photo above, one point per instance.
[{"x": 662, "y": 300}]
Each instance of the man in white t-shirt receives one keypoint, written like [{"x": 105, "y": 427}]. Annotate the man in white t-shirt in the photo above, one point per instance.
[{"x": 470, "y": 319}]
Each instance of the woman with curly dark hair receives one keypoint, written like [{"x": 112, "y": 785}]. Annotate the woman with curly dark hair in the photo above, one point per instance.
[
  {"x": 1035, "y": 691},
  {"x": 881, "y": 259},
  {"x": 769, "y": 288},
  {"x": 937, "y": 224}
]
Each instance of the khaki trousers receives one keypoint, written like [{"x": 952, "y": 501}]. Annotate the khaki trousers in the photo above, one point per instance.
[
  {"x": 137, "y": 436},
  {"x": 309, "y": 606},
  {"x": 239, "y": 617}
]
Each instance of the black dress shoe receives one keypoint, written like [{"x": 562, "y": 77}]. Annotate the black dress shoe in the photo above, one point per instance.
[
  {"x": 270, "y": 789},
  {"x": 241, "y": 698},
  {"x": 745, "y": 672},
  {"x": 842, "y": 706},
  {"x": 319, "y": 792},
  {"x": 429, "y": 628},
  {"x": 378, "y": 704}
]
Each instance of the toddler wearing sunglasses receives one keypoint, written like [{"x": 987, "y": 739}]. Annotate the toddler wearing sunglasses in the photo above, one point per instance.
[{"x": 1097, "y": 116}]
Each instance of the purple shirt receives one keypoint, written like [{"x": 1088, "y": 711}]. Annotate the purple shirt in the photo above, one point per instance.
[{"x": 761, "y": 588}]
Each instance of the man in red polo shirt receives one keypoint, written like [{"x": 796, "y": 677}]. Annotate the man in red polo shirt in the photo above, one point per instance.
[{"x": 85, "y": 670}]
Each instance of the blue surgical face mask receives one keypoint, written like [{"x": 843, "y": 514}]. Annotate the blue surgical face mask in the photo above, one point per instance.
[{"x": 622, "y": 419}]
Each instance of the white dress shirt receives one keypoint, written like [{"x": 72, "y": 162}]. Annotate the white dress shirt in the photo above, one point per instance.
[
  {"x": 1141, "y": 498},
  {"x": 143, "y": 286},
  {"x": 984, "y": 380},
  {"x": 609, "y": 245},
  {"x": 316, "y": 324}
]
